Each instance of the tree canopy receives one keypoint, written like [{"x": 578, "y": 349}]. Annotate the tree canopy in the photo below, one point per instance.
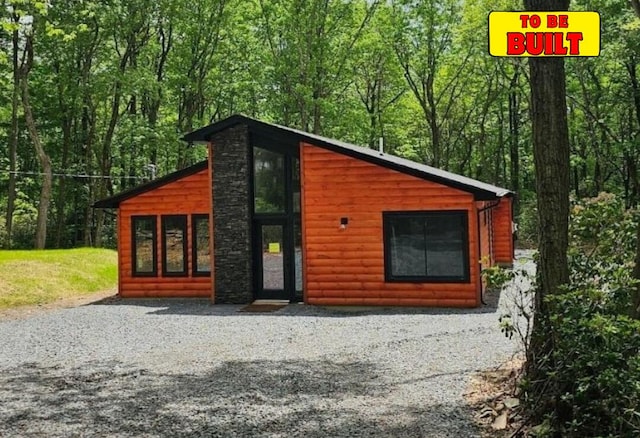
[{"x": 94, "y": 96}]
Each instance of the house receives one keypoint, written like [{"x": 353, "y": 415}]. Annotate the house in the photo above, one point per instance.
[{"x": 278, "y": 213}]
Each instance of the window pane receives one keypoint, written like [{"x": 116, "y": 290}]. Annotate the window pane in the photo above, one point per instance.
[
  {"x": 174, "y": 230},
  {"x": 297, "y": 248},
  {"x": 145, "y": 236},
  {"x": 268, "y": 181},
  {"x": 445, "y": 246},
  {"x": 429, "y": 246},
  {"x": 296, "y": 184},
  {"x": 202, "y": 256},
  {"x": 272, "y": 257},
  {"x": 407, "y": 247}
]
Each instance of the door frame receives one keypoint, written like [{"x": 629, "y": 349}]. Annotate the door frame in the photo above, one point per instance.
[
  {"x": 259, "y": 291},
  {"x": 287, "y": 219}
]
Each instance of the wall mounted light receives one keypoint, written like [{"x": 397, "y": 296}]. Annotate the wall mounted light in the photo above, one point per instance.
[{"x": 344, "y": 221}]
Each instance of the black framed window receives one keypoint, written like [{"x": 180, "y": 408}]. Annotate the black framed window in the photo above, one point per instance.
[
  {"x": 268, "y": 181},
  {"x": 201, "y": 257},
  {"x": 426, "y": 246},
  {"x": 174, "y": 245},
  {"x": 144, "y": 244}
]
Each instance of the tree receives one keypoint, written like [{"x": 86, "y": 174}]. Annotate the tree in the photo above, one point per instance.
[
  {"x": 43, "y": 157},
  {"x": 635, "y": 303},
  {"x": 13, "y": 141},
  {"x": 551, "y": 156}
]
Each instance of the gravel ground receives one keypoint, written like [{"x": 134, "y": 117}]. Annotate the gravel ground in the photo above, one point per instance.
[{"x": 185, "y": 368}]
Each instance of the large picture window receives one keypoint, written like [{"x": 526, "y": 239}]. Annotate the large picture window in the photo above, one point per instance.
[
  {"x": 426, "y": 246},
  {"x": 144, "y": 246},
  {"x": 200, "y": 245},
  {"x": 174, "y": 245}
]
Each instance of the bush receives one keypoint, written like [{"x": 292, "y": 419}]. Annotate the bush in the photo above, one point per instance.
[
  {"x": 595, "y": 373},
  {"x": 496, "y": 277},
  {"x": 589, "y": 385}
]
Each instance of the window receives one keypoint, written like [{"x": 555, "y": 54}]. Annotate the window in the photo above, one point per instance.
[
  {"x": 426, "y": 246},
  {"x": 268, "y": 181},
  {"x": 200, "y": 245},
  {"x": 174, "y": 245},
  {"x": 144, "y": 241}
]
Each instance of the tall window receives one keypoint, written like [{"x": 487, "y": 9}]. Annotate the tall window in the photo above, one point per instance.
[
  {"x": 144, "y": 246},
  {"x": 200, "y": 245},
  {"x": 268, "y": 181},
  {"x": 174, "y": 245},
  {"x": 426, "y": 246}
]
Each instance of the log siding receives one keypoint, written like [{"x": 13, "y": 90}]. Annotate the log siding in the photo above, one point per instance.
[{"x": 346, "y": 266}]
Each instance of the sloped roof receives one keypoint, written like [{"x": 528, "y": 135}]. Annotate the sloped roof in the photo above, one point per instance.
[
  {"x": 481, "y": 190},
  {"x": 114, "y": 201}
]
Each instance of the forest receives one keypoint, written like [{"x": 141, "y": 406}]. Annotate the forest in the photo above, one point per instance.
[{"x": 96, "y": 95}]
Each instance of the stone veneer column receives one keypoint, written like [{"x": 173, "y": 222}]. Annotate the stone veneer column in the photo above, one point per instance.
[{"x": 232, "y": 216}]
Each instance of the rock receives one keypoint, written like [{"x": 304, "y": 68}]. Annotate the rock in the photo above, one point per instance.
[
  {"x": 499, "y": 407},
  {"x": 500, "y": 423},
  {"x": 511, "y": 402}
]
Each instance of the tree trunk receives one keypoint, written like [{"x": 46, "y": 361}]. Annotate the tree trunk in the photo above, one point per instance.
[
  {"x": 13, "y": 141},
  {"x": 635, "y": 303},
  {"x": 43, "y": 157},
  {"x": 61, "y": 198},
  {"x": 551, "y": 157},
  {"x": 514, "y": 137}
]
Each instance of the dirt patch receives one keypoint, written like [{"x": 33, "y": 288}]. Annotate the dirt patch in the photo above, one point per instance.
[
  {"x": 494, "y": 399},
  {"x": 24, "y": 312}
]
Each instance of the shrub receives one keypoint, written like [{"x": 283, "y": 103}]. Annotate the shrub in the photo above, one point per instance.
[
  {"x": 595, "y": 368},
  {"x": 589, "y": 385}
]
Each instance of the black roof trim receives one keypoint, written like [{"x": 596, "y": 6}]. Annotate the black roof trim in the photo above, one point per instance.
[
  {"x": 114, "y": 201},
  {"x": 481, "y": 191}
]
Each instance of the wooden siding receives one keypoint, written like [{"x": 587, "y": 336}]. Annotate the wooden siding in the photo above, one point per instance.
[
  {"x": 486, "y": 248},
  {"x": 346, "y": 267},
  {"x": 502, "y": 233},
  {"x": 186, "y": 196}
]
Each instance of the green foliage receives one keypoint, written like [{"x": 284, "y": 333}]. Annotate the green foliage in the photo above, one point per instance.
[
  {"x": 602, "y": 237},
  {"x": 592, "y": 375},
  {"x": 528, "y": 224},
  {"x": 116, "y": 83},
  {"x": 594, "y": 370},
  {"x": 496, "y": 277}
]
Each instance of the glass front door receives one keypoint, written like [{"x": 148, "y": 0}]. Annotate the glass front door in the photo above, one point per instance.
[
  {"x": 277, "y": 238},
  {"x": 272, "y": 249}
]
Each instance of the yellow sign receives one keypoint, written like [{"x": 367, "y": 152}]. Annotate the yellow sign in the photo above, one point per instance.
[
  {"x": 544, "y": 34},
  {"x": 274, "y": 248}
]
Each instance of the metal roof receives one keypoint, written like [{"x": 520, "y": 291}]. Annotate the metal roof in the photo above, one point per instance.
[{"x": 481, "y": 190}]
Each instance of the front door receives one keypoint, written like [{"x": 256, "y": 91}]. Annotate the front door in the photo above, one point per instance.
[
  {"x": 277, "y": 243},
  {"x": 273, "y": 255}
]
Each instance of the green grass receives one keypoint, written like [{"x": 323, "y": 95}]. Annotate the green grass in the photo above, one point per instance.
[{"x": 40, "y": 277}]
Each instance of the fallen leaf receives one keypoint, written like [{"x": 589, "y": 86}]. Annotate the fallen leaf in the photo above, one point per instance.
[
  {"x": 511, "y": 402},
  {"x": 500, "y": 423}
]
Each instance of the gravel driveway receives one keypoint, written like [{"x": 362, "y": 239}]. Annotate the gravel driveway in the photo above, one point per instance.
[{"x": 186, "y": 368}]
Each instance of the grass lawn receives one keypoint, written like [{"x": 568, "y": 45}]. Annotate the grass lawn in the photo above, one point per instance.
[{"x": 40, "y": 277}]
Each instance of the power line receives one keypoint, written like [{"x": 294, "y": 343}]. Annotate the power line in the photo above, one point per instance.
[{"x": 69, "y": 175}]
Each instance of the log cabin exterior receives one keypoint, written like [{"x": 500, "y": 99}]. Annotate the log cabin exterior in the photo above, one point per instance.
[{"x": 278, "y": 213}]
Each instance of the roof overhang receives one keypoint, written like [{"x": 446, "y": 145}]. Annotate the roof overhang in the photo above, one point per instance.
[{"x": 481, "y": 191}]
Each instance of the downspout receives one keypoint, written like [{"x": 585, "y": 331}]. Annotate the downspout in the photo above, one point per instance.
[{"x": 481, "y": 210}]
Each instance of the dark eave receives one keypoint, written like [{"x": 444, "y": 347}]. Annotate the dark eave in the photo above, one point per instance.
[
  {"x": 481, "y": 191},
  {"x": 114, "y": 201}
]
